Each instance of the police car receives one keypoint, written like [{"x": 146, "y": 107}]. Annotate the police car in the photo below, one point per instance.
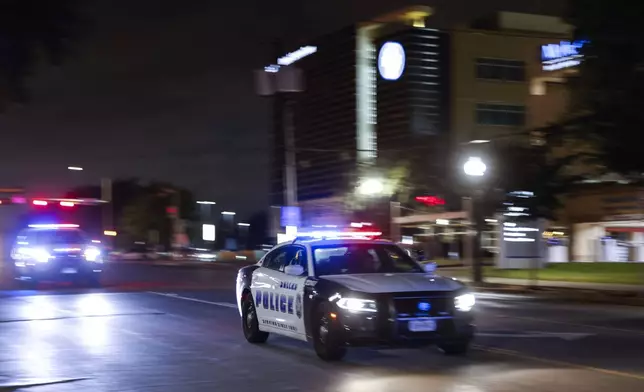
[
  {"x": 337, "y": 291},
  {"x": 53, "y": 251}
]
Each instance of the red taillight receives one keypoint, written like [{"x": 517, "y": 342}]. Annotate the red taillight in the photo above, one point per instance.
[
  {"x": 66, "y": 204},
  {"x": 39, "y": 203}
]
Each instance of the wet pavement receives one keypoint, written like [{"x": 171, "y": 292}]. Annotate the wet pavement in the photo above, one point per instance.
[{"x": 167, "y": 329}]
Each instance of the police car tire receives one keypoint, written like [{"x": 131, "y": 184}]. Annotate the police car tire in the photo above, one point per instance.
[
  {"x": 333, "y": 349},
  {"x": 252, "y": 332},
  {"x": 455, "y": 348}
]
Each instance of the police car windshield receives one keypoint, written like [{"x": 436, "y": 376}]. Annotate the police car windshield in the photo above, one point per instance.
[
  {"x": 58, "y": 237},
  {"x": 361, "y": 259}
]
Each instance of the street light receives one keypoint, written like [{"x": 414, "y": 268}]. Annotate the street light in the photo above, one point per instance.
[
  {"x": 228, "y": 213},
  {"x": 474, "y": 167},
  {"x": 205, "y": 202},
  {"x": 243, "y": 224},
  {"x": 371, "y": 186},
  {"x": 75, "y": 168}
]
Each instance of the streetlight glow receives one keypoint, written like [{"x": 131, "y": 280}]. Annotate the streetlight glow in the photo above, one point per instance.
[
  {"x": 75, "y": 168},
  {"x": 243, "y": 224},
  {"x": 206, "y": 202},
  {"x": 474, "y": 167},
  {"x": 372, "y": 186},
  {"x": 228, "y": 213}
]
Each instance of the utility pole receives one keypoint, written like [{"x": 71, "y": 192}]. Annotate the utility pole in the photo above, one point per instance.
[
  {"x": 108, "y": 207},
  {"x": 290, "y": 168},
  {"x": 281, "y": 80}
]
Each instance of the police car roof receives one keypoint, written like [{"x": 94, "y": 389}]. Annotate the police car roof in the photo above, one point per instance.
[{"x": 336, "y": 240}]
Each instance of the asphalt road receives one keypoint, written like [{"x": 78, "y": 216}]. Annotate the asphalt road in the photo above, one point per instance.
[{"x": 173, "y": 329}]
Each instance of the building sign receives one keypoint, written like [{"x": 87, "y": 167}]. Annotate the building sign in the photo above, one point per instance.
[
  {"x": 562, "y": 55},
  {"x": 391, "y": 61},
  {"x": 297, "y": 55},
  {"x": 430, "y": 200}
]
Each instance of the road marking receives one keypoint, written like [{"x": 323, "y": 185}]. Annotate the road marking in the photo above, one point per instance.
[
  {"x": 537, "y": 334},
  {"x": 599, "y": 327},
  {"x": 517, "y": 354},
  {"x": 203, "y": 301}
]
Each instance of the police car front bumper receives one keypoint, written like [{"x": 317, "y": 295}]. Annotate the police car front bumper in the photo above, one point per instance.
[
  {"x": 395, "y": 324},
  {"x": 56, "y": 269},
  {"x": 366, "y": 330}
]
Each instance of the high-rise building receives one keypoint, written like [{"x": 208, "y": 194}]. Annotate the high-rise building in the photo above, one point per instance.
[{"x": 371, "y": 91}]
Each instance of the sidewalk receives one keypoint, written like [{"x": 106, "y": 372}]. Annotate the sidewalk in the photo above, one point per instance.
[{"x": 560, "y": 285}]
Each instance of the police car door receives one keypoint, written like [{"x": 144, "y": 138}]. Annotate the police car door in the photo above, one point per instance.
[
  {"x": 293, "y": 279},
  {"x": 264, "y": 287}
]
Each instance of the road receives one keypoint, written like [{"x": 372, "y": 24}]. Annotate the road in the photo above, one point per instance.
[{"x": 168, "y": 329}]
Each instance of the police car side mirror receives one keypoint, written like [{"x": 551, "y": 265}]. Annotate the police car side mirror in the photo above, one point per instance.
[
  {"x": 430, "y": 267},
  {"x": 294, "y": 270}
]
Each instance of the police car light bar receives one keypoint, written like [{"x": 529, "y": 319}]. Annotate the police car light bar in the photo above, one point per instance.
[
  {"x": 54, "y": 226},
  {"x": 340, "y": 234}
]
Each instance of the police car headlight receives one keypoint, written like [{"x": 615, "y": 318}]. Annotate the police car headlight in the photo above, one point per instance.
[
  {"x": 40, "y": 255},
  {"x": 357, "y": 305},
  {"x": 92, "y": 254},
  {"x": 464, "y": 302}
]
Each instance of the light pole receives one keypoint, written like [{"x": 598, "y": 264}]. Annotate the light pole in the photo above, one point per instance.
[
  {"x": 227, "y": 226},
  {"x": 206, "y": 209},
  {"x": 474, "y": 168},
  {"x": 106, "y": 196},
  {"x": 244, "y": 231}
]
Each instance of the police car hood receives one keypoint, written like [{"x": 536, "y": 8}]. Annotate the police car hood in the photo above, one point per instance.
[{"x": 395, "y": 283}]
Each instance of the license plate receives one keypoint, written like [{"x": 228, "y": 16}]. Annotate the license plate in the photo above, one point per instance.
[
  {"x": 422, "y": 325},
  {"x": 69, "y": 270}
]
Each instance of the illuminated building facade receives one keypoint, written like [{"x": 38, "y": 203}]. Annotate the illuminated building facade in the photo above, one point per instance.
[{"x": 369, "y": 88}]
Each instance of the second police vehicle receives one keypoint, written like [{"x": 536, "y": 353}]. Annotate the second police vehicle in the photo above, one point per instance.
[
  {"x": 341, "y": 290},
  {"x": 54, "y": 251}
]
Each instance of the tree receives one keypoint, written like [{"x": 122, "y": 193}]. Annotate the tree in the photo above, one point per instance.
[
  {"x": 608, "y": 93},
  {"x": 142, "y": 208},
  {"x": 32, "y": 32}
]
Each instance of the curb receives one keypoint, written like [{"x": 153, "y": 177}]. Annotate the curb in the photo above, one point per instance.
[{"x": 629, "y": 298}]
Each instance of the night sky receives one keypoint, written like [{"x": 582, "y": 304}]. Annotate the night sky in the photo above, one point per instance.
[{"x": 163, "y": 89}]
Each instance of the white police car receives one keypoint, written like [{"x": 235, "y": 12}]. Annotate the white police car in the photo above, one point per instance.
[{"x": 351, "y": 291}]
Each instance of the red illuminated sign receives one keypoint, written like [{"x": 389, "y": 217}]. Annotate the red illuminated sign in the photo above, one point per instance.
[{"x": 430, "y": 200}]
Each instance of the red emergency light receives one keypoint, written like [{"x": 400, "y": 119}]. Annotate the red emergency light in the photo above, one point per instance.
[
  {"x": 430, "y": 200},
  {"x": 39, "y": 202}
]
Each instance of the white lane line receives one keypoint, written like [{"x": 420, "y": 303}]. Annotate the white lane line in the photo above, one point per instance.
[
  {"x": 573, "y": 324},
  {"x": 203, "y": 301},
  {"x": 536, "y": 334},
  {"x": 557, "y": 363}
]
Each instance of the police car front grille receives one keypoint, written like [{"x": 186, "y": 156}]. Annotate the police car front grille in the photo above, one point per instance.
[{"x": 428, "y": 305}]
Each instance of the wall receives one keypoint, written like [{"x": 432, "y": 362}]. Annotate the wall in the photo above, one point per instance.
[{"x": 467, "y": 90}]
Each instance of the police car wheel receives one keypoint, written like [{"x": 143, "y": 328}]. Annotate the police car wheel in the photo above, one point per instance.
[
  {"x": 454, "y": 348},
  {"x": 250, "y": 324},
  {"x": 327, "y": 342}
]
